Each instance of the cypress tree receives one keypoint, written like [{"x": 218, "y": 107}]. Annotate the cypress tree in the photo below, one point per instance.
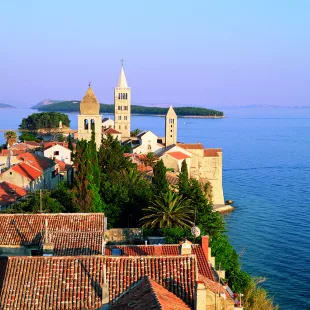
[
  {"x": 183, "y": 178},
  {"x": 160, "y": 183}
]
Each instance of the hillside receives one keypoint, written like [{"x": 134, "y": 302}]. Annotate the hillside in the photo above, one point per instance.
[
  {"x": 44, "y": 102},
  {"x": 4, "y": 105},
  {"x": 74, "y": 106}
]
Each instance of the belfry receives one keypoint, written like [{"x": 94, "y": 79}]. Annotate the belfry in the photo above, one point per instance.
[
  {"x": 89, "y": 118},
  {"x": 122, "y": 99}
]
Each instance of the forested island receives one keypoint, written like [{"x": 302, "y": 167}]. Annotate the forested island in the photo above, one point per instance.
[
  {"x": 44, "y": 120},
  {"x": 74, "y": 106}
]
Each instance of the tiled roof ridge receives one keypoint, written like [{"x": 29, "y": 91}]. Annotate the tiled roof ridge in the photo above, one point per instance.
[
  {"x": 219, "y": 149},
  {"x": 147, "y": 279},
  {"x": 49, "y": 214}
]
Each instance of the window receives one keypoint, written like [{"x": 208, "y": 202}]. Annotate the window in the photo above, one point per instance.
[
  {"x": 10, "y": 172},
  {"x": 119, "y": 127},
  {"x": 126, "y": 127},
  {"x": 125, "y": 118},
  {"x": 86, "y": 124},
  {"x": 56, "y": 153},
  {"x": 116, "y": 252},
  {"x": 125, "y": 108},
  {"x": 119, "y": 118},
  {"x": 171, "y": 136},
  {"x": 119, "y": 107},
  {"x": 171, "y": 121},
  {"x": 92, "y": 124},
  {"x": 149, "y": 147}
]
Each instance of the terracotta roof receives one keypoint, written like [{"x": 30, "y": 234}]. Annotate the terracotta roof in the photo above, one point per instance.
[
  {"x": 110, "y": 131},
  {"x": 212, "y": 152},
  {"x": 62, "y": 165},
  {"x": 148, "y": 294},
  {"x": 213, "y": 286},
  {"x": 76, "y": 243},
  {"x": 172, "y": 178},
  {"x": 28, "y": 229},
  {"x": 178, "y": 155},
  {"x": 10, "y": 192},
  {"x": 143, "y": 168},
  {"x": 76, "y": 282},
  {"x": 165, "y": 249},
  {"x": 13, "y": 152},
  {"x": 26, "y": 145},
  {"x": 50, "y": 146},
  {"x": 191, "y": 146},
  {"x": 39, "y": 162},
  {"x": 26, "y": 171}
]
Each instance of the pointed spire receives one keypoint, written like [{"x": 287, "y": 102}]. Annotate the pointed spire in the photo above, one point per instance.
[
  {"x": 122, "y": 82},
  {"x": 171, "y": 112}
]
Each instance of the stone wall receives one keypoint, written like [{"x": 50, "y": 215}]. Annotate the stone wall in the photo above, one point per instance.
[{"x": 124, "y": 235}]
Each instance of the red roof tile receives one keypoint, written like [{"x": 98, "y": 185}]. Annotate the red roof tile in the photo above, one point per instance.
[
  {"x": 62, "y": 165},
  {"x": 149, "y": 295},
  {"x": 28, "y": 229},
  {"x": 191, "y": 146},
  {"x": 76, "y": 282},
  {"x": 204, "y": 267},
  {"x": 26, "y": 171},
  {"x": 13, "y": 152},
  {"x": 110, "y": 130},
  {"x": 212, "y": 152},
  {"x": 10, "y": 192},
  {"x": 36, "y": 161},
  {"x": 178, "y": 155}
]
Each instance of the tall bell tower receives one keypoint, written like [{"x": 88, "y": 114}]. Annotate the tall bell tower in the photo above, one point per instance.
[
  {"x": 171, "y": 127},
  {"x": 122, "y": 99}
]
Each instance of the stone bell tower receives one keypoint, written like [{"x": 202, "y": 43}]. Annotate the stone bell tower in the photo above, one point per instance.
[
  {"x": 171, "y": 127},
  {"x": 89, "y": 119},
  {"x": 122, "y": 99}
]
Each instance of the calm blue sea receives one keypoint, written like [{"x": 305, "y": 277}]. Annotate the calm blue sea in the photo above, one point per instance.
[{"x": 266, "y": 158}]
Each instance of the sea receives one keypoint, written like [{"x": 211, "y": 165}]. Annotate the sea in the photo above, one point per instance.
[{"x": 266, "y": 172}]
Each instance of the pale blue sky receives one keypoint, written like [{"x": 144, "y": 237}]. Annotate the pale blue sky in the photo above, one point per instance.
[{"x": 207, "y": 53}]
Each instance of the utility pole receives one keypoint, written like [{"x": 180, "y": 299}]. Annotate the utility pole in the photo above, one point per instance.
[{"x": 40, "y": 200}]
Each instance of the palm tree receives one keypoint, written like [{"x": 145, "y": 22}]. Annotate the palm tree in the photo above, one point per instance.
[
  {"x": 168, "y": 210},
  {"x": 150, "y": 159},
  {"x": 135, "y": 132},
  {"x": 10, "y": 137}
]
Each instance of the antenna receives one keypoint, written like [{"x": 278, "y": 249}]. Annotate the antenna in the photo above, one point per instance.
[{"x": 122, "y": 62}]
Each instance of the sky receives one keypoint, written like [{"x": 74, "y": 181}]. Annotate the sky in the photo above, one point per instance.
[{"x": 182, "y": 53}]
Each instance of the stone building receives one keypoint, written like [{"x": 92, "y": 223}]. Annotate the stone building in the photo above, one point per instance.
[
  {"x": 122, "y": 106},
  {"x": 89, "y": 118},
  {"x": 171, "y": 122}
]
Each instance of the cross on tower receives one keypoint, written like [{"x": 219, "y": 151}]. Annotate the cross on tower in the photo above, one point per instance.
[{"x": 122, "y": 62}]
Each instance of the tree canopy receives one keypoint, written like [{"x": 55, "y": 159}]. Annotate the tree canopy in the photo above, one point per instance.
[{"x": 48, "y": 120}]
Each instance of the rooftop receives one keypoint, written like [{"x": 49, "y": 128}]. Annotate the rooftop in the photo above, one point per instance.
[
  {"x": 56, "y": 282},
  {"x": 39, "y": 162},
  {"x": 26, "y": 171},
  {"x": 212, "y": 152},
  {"x": 191, "y": 146},
  {"x": 178, "y": 155},
  {"x": 10, "y": 192}
]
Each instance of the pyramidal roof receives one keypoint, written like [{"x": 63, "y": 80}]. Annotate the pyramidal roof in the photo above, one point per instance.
[
  {"x": 89, "y": 104},
  {"x": 122, "y": 82},
  {"x": 171, "y": 111}
]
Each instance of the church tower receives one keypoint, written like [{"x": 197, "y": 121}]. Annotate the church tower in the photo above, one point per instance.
[
  {"x": 122, "y": 98},
  {"x": 89, "y": 118},
  {"x": 171, "y": 127}
]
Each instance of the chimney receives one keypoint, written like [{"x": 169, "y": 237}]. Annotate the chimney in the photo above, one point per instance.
[
  {"x": 158, "y": 249},
  {"x": 205, "y": 246},
  {"x": 200, "y": 296},
  {"x": 48, "y": 247},
  {"x": 185, "y": 247}
]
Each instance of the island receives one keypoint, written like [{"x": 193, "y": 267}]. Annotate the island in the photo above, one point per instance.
[
  {"x": 74, "y": 106},
  {"x": 45, "y": 122},
  {"x": 6, "y": 106}
]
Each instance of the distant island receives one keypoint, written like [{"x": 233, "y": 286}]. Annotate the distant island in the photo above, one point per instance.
[
  {"x": 74, "y": 106},
  {"x": 4, "y": 106}
]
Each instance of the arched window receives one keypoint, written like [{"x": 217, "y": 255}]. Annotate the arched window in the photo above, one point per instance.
[
  {"x": 149, "y": 148},
  {"x": 86, "y": 124},
  {"x": 92, "y": 124}
]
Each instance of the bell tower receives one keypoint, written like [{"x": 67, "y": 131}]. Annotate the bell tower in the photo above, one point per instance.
[
  {"x": 171, "y": 127},
  {"x": 122, "y": 99},
  {"x": 89, "y": 118}
]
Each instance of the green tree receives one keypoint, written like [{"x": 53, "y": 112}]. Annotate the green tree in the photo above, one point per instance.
[
  {"x": 10, "y": 137},
  {"x": 70, "y": 143},
  {"x": 168, "y": 210},
  {"x": 150, "y": 160},
  {"x": 160, "y": 183},
  {"x": 26, "y": 136},
  {"x": 183, "y": 178},
  {"x": 85, "y": 187},
  {"x": 60, "y": 138}
]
